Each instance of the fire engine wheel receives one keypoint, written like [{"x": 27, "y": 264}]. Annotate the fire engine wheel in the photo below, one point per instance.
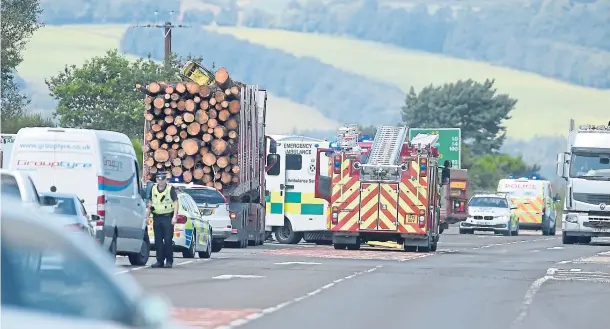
[
  {"x": 410, "y": 248},
  {"x": 285, "y": 234},
  {"x": 355, "y": 246},
  {"x": 339, "y": 246},
  {"x": 433, "y": 246}
]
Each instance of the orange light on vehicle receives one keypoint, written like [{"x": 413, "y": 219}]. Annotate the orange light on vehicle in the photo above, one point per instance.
[{"x": 232, "y": 215}]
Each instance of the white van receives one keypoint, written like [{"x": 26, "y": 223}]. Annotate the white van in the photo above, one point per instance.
[{"x": 102, "y": 169}]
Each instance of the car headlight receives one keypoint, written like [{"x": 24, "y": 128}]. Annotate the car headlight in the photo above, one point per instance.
[{"x": 572, "y": 218}]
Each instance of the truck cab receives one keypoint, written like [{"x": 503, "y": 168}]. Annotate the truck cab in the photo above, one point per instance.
[
  {"x": 585, "y": 167},
  {"x": 454, "y": 197}
]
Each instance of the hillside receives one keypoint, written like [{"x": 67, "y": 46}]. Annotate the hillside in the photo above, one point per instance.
[
  {"x": 545, "y": 105},
  {"x": 66, "y": 45}
]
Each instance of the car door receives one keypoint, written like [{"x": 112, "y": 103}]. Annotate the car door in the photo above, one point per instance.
[{"x": 202, "y": 225}]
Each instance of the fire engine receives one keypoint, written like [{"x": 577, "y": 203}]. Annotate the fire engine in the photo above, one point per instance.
[{"x": 390, "y": 193}]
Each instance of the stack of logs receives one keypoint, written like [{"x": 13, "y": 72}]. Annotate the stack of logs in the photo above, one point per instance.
[{"x": 193, "y": 130}]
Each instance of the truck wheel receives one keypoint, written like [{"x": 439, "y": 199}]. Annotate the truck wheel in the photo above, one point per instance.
[
  {"x": 565, "y": 239},
  {"x": 285, "y": 234},
  {"x": 141, "y": 258},
  {"x": 217, "y": 246}
]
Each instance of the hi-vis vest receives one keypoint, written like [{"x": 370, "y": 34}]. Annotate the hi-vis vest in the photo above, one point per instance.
[{"x": 162, "y": 201}]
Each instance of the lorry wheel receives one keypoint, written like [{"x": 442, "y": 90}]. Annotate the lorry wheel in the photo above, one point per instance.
[
  {"x": 565, "y": 239},
  {"x": 217, "y": 246},
  {"x": 285, "y": 234}
]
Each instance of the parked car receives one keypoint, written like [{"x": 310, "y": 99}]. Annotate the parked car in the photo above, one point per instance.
[
  {"x": 214, "y": 207},
  {"x": 71, "y": 207},
  {"x": 192, "y": 232},
  {"x": 18, "y": 187},
  {"x": 82, "y": 290}
]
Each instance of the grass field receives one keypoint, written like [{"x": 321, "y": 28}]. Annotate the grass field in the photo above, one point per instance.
[
  {"x": 544, "y": 108},
  {"x": 53, "y": 47}
]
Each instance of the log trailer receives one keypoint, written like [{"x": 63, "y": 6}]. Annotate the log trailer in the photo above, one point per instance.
[
  {"x": 210, "y": 130},
  {"x": 390, "y": 194}
]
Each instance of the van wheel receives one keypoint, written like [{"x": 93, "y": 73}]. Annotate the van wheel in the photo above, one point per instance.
[
  {"x": 285, "y": 234},
  {"x": 217, "y": 246},
  {"x": 141, "y": 258},
  {"x": 546, "y": 226},
  {"x": 190, "y": 252}
]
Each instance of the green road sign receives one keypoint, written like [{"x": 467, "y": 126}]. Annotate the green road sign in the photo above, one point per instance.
[{"x": 449, "y": 143}]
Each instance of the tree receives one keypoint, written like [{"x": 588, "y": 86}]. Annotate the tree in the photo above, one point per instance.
[
  {"x": 19, "y": 22},
  {"x": 474, "y": 107},
  {"x": 23, "y": 120},
  {"x": 100, "y": 94}
]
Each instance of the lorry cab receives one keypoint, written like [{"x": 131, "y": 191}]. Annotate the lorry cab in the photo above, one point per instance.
[
  {"x": 455, "y": 197},
  {"x": 291, "y": 207},
  {"x": 534, "y": 200}
]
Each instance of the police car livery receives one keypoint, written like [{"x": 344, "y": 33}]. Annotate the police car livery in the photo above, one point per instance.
[
  {"x": 192, "y": 231},
  {"x": 493, "y": 212}
]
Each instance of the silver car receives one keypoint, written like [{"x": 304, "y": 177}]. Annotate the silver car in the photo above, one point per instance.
[
  {"x": 71, "y": 208},
  {"x": 81, "y": 290}
]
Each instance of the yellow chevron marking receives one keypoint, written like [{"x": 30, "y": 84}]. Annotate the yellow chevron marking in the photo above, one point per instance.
[
  {"x": 390, "y": 204},
  {"x": 370, "y": 208}
]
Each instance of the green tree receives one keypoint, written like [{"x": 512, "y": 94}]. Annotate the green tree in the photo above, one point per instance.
[
  {"x": 485, "y": 172},
  {"x": 101, "y": 93},
  {"x": 19, "y": 22},
  {"x": 474, "y": 107},
  {"x": 13, "y": 125}
]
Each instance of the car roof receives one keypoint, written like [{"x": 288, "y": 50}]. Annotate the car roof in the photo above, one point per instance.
[
  {"x": 21, "y": 218},
  {"x": 489, "y": 195}
]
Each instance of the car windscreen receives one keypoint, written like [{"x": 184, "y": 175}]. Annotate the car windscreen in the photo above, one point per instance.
[
  {"x": 10, "y": 187},
  {"x": 488, "y": 202},
  {"x": 64, "y": 206},
  {"x": 201, "y": 195}
]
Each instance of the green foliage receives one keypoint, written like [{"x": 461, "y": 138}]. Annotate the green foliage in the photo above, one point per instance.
[
  {"x": 19, "y": 22},
  {"x": 484, "y": 172},
  {"x": 474, "y": 107},
  {"x": 100, "y": 94},
  {"x": 12, "y": 125},
  {"x": 137, "y": 146}
]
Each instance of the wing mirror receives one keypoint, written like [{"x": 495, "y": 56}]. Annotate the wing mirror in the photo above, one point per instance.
[
  {"x": 94, "y": 218},
  {"x": 513, "y": 208},
  {"x": 556, "y": 198},
  {"x": 48, "y": 201}
]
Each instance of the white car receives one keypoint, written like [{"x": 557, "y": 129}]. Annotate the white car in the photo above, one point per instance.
[
  {"x": 215, "y": 208},
  {"x": 19, "y": 187},
  {"x": 491, "y": 212},
  {"x": 81, "y": 290},
  {"x": 192, "y": 231},
  {"x": 71, "y": 208}
]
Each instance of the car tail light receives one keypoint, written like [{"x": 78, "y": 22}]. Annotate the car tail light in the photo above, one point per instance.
[
  {"x": 101, "y": 208},
  {"x": 181, "y": 219},
  {"x": 462, "y": 206},
  {"x": 232, "y": 215},
  {"x": 422, "y": 218},
  {"x": 234, "y": 231},
  {"x": 335, "y": 215}
]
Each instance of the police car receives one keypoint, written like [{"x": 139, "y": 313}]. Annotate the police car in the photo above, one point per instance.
[
  {"x": 192, "y": 231},
  {"x": 493, "y": 212}
]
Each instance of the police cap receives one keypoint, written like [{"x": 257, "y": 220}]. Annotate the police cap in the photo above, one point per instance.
[{"x": 161, "y": 175}]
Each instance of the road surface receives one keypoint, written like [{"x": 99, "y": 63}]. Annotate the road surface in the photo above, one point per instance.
[{"x": 473, "y": 281}]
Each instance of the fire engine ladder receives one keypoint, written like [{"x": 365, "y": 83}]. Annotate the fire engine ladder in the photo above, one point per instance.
[{"x": 387, "y": 145}]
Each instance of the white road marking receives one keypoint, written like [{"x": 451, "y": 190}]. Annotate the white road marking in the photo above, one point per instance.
[
  {"x": 554, "y": 248},
  {"x": 237, "y": 276},
  {"x": 176, "y": 264},
  {"x": 535, "y": 251},
  {"x": 575, "y": 270},
  {"x": 529, "y": 297},
  {"x": 299, "y": 263},
  {"x": 278, "y": 307}
]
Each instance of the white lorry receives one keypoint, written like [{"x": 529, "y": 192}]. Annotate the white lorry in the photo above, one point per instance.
[
  {"x": 293, "y": 211},
  {"x": 586, "y": 170}
]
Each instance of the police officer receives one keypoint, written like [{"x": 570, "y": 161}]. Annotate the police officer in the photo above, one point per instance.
[{"x": 164, "y": 207}]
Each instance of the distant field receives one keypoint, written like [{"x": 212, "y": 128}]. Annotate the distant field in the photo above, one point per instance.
[
  {"x": 53, "y": 47},
  {"x": 544, "y": 108}
]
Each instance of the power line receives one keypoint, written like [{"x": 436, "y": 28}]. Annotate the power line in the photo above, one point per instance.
[{"x": 167, "y": 26}]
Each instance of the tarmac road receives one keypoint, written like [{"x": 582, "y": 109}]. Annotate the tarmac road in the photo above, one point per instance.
[{"x": 473, "y": 281}]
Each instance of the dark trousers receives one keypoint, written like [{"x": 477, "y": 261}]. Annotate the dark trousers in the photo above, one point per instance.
[{"x": 164, "y": 234}]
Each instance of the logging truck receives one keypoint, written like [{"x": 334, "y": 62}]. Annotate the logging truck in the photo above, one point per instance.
[
  {"x": 210, "y": 130},
  {"x": 293, "y": 211},
  {"x": 392, "y": 194}
]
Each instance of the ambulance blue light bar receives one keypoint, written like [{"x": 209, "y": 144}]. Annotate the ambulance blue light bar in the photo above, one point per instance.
[
  {"x": 365, "y": 138},
  {"x": 525, "y": 177},
  {"x": 176, "y": 179}
]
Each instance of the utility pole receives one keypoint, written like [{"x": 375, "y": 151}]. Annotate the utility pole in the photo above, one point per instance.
[{"x": 167, "y": 27}]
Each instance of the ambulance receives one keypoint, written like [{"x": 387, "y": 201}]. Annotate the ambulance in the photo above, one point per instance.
[
  {"x": 534, "y": 200},
  {"x": 293, "y": 212}
]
